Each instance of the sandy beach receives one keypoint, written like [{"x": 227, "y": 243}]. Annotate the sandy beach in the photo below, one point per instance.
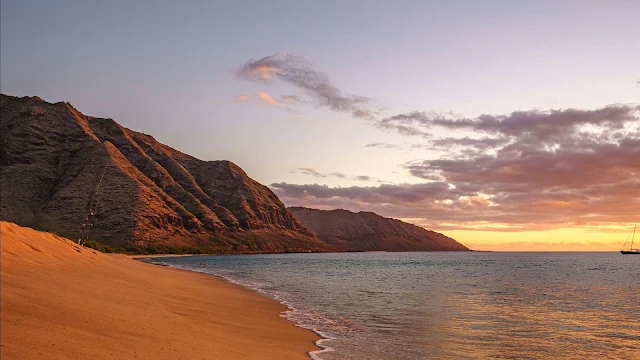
[{"x": 61, "y": 301}]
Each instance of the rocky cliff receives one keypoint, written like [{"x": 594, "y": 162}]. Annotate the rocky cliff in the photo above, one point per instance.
[
  {"x": 368, "y": 231},
  {"x": 61, "y": 170}
]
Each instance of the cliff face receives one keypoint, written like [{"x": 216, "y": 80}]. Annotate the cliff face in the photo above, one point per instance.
[
  {"x": 58, "y": 166},
  {"x": 368, "y": 231}
]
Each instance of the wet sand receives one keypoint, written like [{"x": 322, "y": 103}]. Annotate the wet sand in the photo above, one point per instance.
[{"x": 61, "y": 301}]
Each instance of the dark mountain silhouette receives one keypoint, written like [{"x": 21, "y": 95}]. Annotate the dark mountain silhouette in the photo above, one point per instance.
[{"x": 368, "y": 231}]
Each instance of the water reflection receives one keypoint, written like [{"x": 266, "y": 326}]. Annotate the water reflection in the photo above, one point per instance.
[{"x": 455, "y": 306}]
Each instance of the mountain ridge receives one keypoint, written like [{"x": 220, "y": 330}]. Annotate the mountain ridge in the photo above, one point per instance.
[
  {"x": 60, "y": 166},
  {"x": 81, "y": 176},
  {"x": 368, "y": 231}
]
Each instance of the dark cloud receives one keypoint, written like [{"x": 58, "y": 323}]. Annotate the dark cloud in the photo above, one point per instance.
[
  {"x": 310, "y": 171},
  {"x": 463, "y": 146},
  {"x": 539, "y": 125},
  {"x": 526, "y": 171},
  {"x": 480, "y": 144},
  {"x": 339, "y": 175},
  {"x": 365, "y": 114},
  {"x": 383, "y": 145},
  {"x": 405, "y": 125},
  {"x": 299, "y": 72},
  {"x": 382, "y": 194},
  {"x": 290, "y": 99},
  {"x": 521, "y": 167},
  {"x": 437, "y": 206}
]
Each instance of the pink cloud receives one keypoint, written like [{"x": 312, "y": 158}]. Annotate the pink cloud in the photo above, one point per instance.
[
  {"x": 242, "y": 98},
  {"x": 265, "y": 98}
]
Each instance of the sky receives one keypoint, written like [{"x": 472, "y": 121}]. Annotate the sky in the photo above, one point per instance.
[{"x": 507, "y": 125}]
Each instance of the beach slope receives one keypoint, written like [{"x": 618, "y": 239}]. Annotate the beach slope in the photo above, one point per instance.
[{"x": 62, "y": 301}]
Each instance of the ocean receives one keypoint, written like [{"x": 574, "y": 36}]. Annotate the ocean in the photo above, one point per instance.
[{"x": 443, "y": 305}]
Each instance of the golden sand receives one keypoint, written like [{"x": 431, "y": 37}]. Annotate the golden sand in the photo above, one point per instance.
[{"x": 62, "y": 301}]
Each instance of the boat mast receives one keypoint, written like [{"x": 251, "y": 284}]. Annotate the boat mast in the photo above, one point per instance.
[{"x": 634, "y": 235}]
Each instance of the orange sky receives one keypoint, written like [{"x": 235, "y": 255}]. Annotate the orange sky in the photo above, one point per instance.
[{"x": 550, "y": 240}]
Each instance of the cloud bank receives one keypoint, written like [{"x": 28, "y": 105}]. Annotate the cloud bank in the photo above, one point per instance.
[
  {"x": 528, "y": 170},
  {"x": 318, "y": 175},
  {"x": 535, "y": 124}
]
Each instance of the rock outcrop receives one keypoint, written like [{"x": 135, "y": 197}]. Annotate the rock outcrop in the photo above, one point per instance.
[
  {"x": 59, "y": 167},
  {"x": 367, "y": 231}
]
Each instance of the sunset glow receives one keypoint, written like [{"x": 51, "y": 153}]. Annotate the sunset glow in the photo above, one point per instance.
[{"x": 505, "y": 126}]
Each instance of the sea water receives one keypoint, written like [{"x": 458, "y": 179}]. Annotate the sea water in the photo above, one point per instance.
[{"x": 443, "y": 305}]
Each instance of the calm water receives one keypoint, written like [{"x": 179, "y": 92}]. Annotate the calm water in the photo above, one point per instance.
[{"x": 451, "y": 305}]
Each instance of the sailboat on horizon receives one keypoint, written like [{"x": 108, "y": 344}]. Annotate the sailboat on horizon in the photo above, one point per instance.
[{"x": 631, "y": 250}]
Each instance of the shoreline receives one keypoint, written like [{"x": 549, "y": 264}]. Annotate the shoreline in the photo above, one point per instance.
[
  {"x": 61, "y": 301},
  {"x": 147, "y": 256},
  {"x": 314, "y": 354},
  {"x": 137, "y": 257}
]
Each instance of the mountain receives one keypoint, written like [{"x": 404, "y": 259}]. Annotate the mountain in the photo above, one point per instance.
[
  {"x": 61, "y": 169},
  {"x": 368, "y": 231}
]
